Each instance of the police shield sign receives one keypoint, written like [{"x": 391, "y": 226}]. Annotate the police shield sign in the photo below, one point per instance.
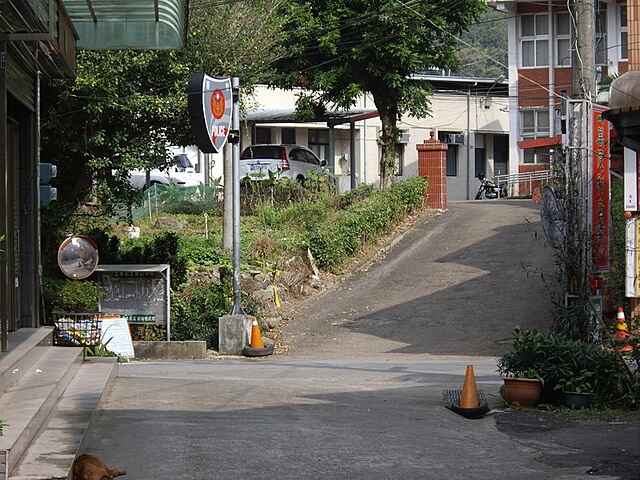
[{"x": 210, "y": 102}]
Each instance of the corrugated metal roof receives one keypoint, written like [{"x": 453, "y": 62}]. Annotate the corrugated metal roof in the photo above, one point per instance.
[{"x": 129, "y": 24}]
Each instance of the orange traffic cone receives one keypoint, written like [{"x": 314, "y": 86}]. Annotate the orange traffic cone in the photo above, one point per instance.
[
  {"x": 469, "y": 395},
  {"x": 256, "y": 336},
  {"x": 622, "y": 332}
]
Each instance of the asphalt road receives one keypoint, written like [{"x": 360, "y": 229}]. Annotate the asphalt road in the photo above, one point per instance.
[
  {"x": 358, "y": 392},
  {"x": 455, "y": 284}
]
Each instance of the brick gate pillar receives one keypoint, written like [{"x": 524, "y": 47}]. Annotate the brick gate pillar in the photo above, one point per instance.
[{"x": 432, "y": 164}]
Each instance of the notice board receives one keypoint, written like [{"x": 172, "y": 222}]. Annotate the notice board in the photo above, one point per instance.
[{"x": 134, "y": 291}]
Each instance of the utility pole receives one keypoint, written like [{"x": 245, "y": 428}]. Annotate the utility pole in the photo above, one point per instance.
[
  {"x": 577, "y": 248},
  {"x": 584, "y": 52}
]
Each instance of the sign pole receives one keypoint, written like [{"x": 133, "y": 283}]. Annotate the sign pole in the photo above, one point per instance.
[
  {"x": 235, "y": 158},
  {"x": 214, "y": 109},
  {"x": 214, "y": 106}
]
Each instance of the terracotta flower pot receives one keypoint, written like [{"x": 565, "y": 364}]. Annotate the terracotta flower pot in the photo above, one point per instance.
[{"x": 522, "y": 392}]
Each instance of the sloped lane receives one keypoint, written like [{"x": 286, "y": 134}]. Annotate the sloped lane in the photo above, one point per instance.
[{"x": 456, "y": 285}]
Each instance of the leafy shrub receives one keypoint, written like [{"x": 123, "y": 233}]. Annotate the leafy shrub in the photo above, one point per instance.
[
  {"x": 195, "y": 313},
  {"x": 163, "y": 248},
  {"x": 304, "y": 214},
  {"x": 200, "y": 252},
  {"x": 616, "y": 277},
  {"x": 342, "y": 233},
  {"x": 70, "y": 295},
  {"x": 557, "y": 359},
  {"x": 280, "y": 192},
  {"x": 108, "y": 245},
  {"x": 352, "y": 196},
  {"x": 148, "y": 333},
  {"x": 196, "y": 310}
]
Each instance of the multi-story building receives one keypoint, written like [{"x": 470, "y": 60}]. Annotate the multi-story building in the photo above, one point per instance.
[{"x": 541, "y": 52}]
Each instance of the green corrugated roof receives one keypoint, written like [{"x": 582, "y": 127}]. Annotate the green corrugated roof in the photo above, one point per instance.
[{"x": 129, "y": 24}]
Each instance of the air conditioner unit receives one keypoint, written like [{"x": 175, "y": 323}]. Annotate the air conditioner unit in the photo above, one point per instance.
[
  {"x": 404, "y": 138},
  {"x": 456, "y": 138}
]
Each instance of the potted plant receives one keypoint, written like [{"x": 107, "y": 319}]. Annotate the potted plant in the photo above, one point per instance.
[
  {"x": 522, "y": 391},
  {"x": 518, "y": 368},
  {"x": 578, "y": 389}
]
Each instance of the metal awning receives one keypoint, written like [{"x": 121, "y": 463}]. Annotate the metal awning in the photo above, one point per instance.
[
  {"x": 625, "y": 109},
  {"x": 129, "y": 24}
]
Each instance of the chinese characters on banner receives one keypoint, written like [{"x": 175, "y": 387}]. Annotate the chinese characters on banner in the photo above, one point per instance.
[{"x": 600, "y": 190}]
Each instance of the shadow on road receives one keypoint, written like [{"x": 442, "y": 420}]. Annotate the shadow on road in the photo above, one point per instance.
[{"x": 457, "y": 284}]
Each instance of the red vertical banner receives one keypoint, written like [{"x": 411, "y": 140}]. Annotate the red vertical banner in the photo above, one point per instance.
[{"x": 600, "y": 190}]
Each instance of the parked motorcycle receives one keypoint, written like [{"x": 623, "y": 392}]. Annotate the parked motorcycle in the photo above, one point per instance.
[{"x": 490, "y": 189}]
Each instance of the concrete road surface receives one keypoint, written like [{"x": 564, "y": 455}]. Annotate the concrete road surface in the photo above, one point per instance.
[
  {"x": 348, "y": 419},
  {"x": 358, "y": 393}
]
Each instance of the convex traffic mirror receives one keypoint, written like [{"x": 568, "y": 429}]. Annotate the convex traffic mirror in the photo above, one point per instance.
[{"x": 78, "y": 257}]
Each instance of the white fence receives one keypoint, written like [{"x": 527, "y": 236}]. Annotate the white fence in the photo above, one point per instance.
[{"x": 523, "y": 184}]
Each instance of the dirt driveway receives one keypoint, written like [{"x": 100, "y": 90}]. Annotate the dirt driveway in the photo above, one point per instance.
[{"x": 454, "y": 284}]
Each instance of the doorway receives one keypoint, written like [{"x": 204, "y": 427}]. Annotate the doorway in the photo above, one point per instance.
[
  {"x": 480, "y": 162},
  {"x": 501, "y": 154},
  {"x": 12, "y": 244}
]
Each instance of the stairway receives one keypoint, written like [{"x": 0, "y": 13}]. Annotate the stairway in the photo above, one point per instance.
[{"x": 47, "y": 397}]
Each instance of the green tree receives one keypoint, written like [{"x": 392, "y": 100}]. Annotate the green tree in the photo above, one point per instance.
[
  {"x": 237, "y": 39},
  {"x": 124, "y": 108},
  {"x": 483, "y": 48},
  {"x": 116, "y": 115},
  {"x": 343, "y": 49}
]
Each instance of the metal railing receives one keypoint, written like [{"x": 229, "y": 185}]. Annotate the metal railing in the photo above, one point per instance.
[{"x": 523, "y": 184}]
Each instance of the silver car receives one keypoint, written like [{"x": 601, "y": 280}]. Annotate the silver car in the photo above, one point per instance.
[{"x": 290, "y": 161}]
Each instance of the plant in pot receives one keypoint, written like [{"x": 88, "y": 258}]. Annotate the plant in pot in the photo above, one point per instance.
[
  {"x": 578, "y": 389},
  {"x": 518, "y": 368}
]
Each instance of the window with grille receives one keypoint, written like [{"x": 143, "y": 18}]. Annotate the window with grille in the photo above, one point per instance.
[
  {"x": 452, "y": 154},
  {"x": 601, "y": 37},
  {"x": 536, "y": 155},
  {"x": 288, "y": 135},
  {"x": 399, "y": 163},
  {"x": 318, "y": 137},
  {"x": 263, "y": 135}
]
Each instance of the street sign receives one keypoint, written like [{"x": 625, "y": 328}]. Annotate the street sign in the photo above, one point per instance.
[
  {"x": 630, "y": 180},
  {"x": 210, "y": 102}
]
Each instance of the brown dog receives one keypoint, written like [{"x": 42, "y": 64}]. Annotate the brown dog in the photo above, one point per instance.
[{"x": 90, "y": 467}]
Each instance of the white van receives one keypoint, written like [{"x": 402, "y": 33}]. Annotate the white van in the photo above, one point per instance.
[{"x": 180, "y": 174}]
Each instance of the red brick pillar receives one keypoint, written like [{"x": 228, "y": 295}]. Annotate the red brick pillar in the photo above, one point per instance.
[{"x": 432, "y": 164}]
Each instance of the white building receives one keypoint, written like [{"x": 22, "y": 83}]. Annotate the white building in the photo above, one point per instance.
[{"x": 470, "y": 114}]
